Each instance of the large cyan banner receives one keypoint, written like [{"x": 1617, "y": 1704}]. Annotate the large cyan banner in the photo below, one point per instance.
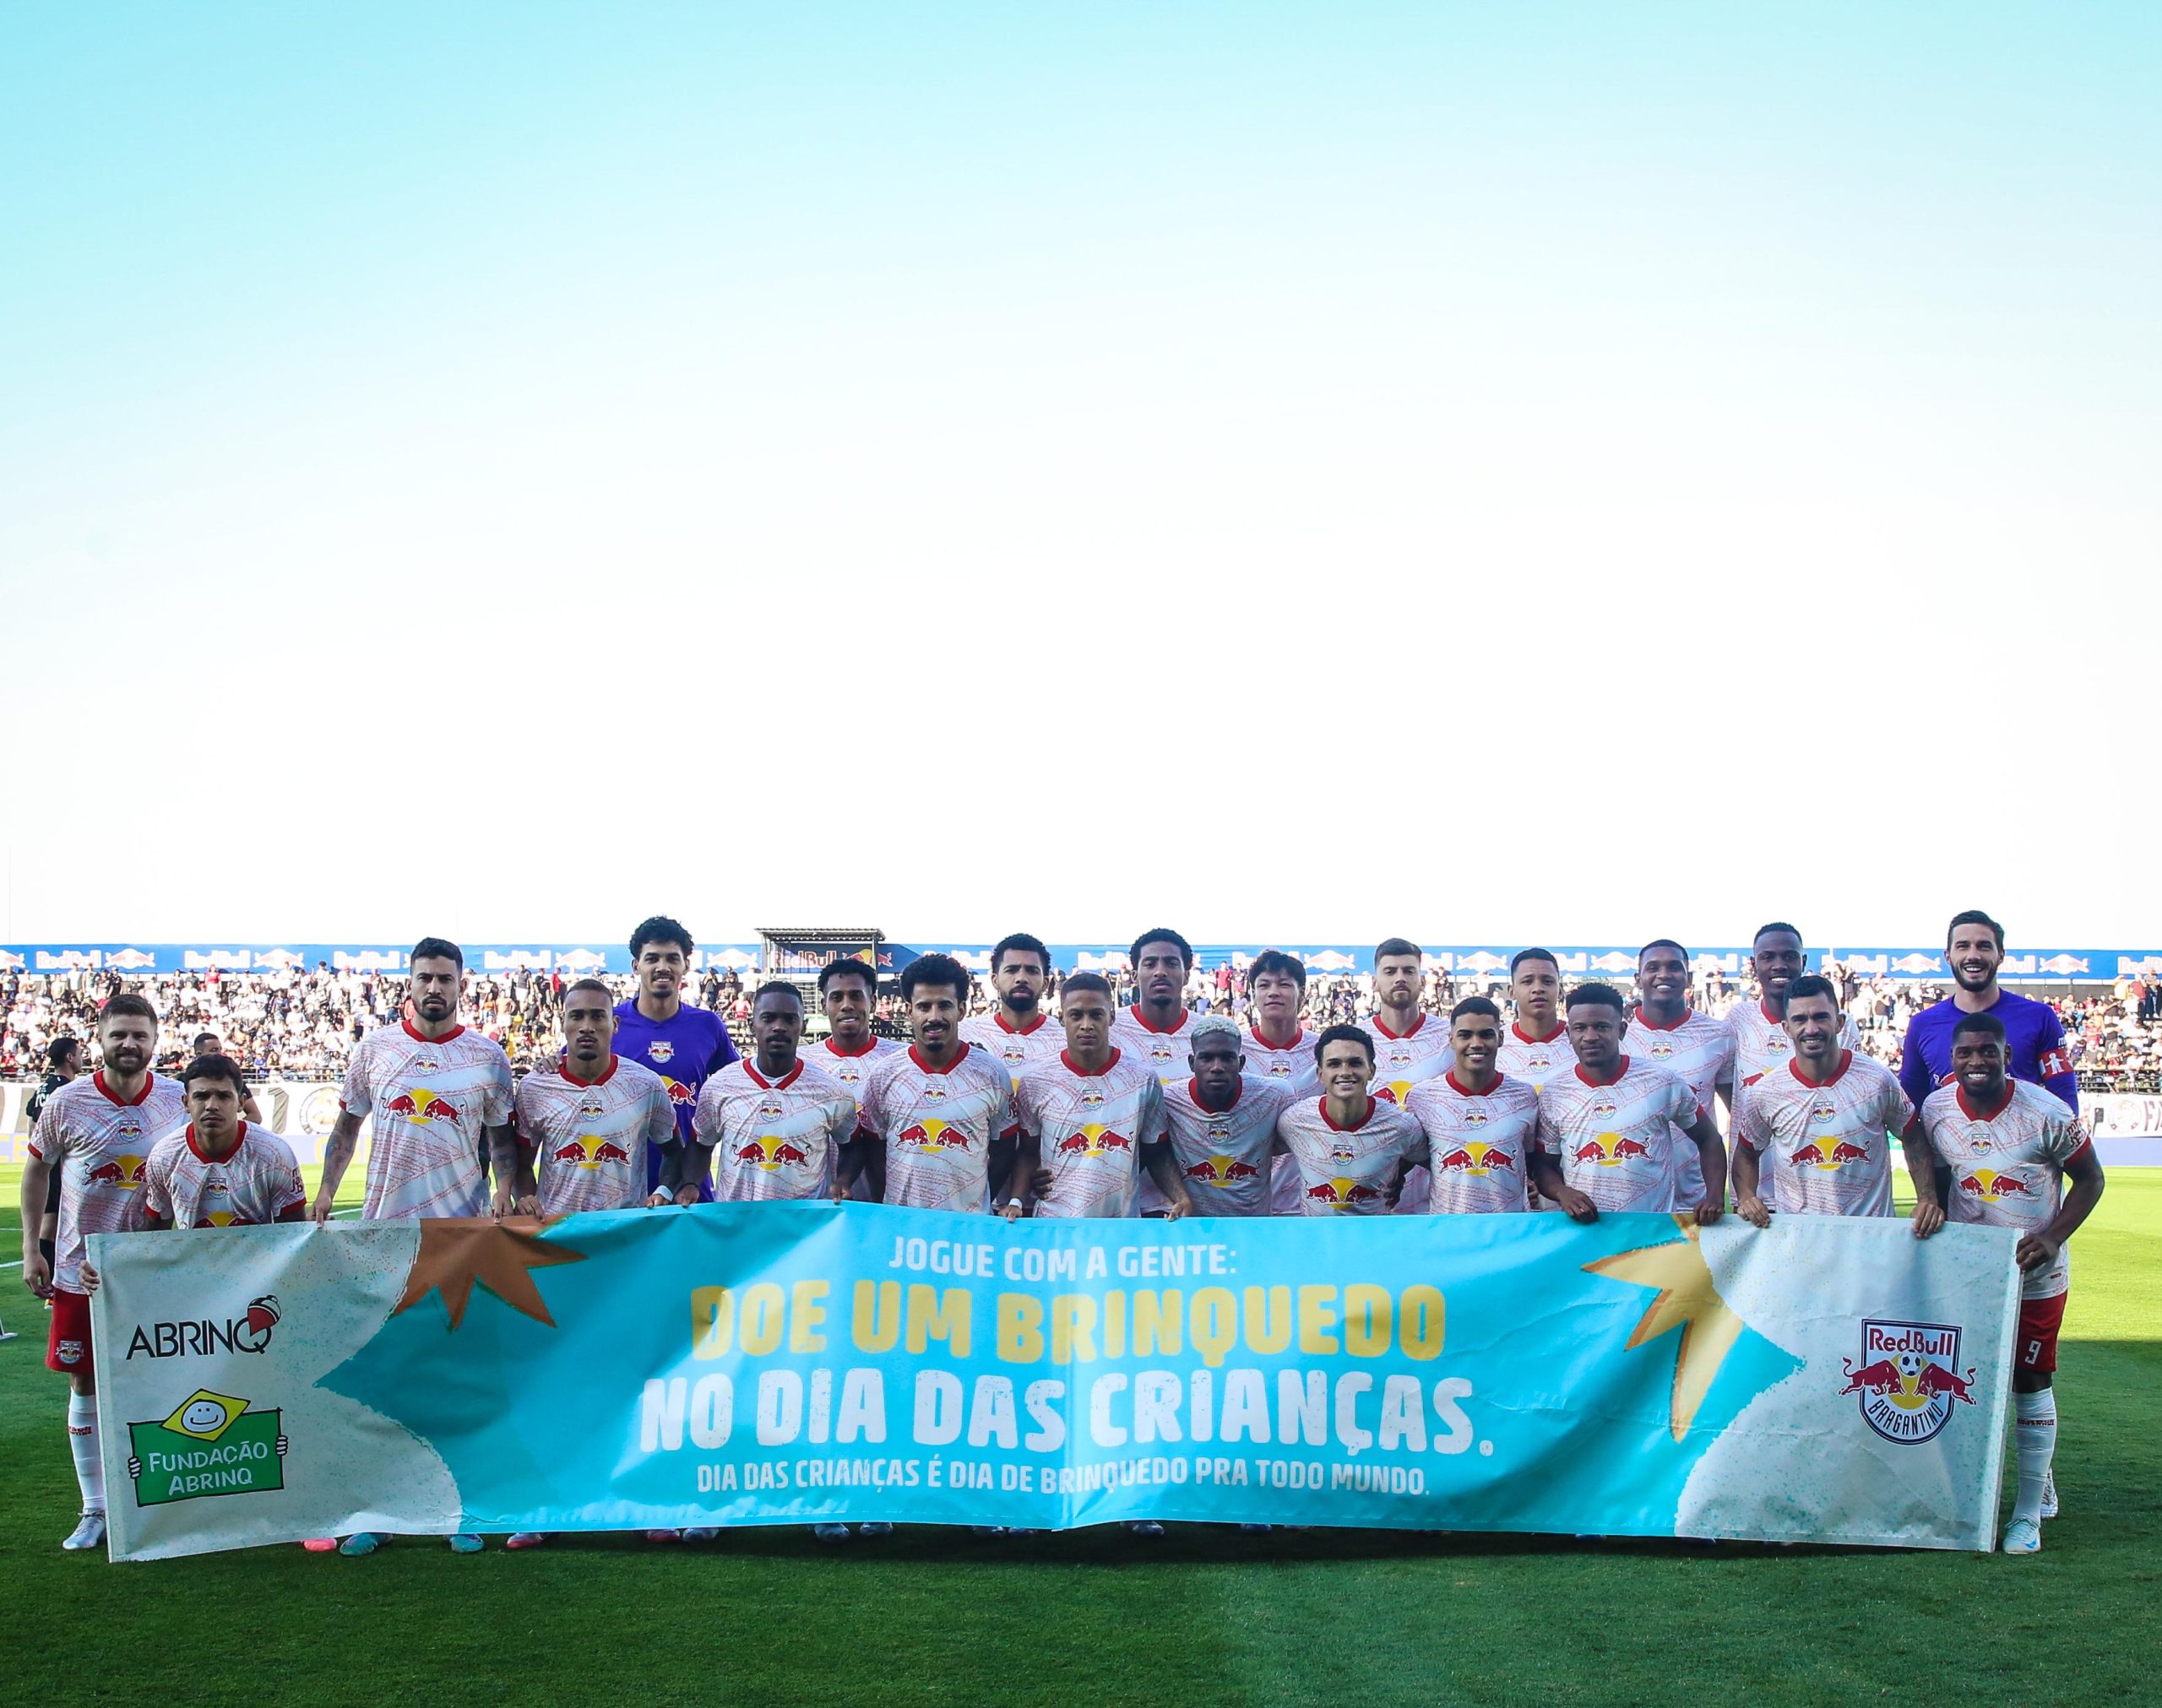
[{"x": 1826, "y": 1380}]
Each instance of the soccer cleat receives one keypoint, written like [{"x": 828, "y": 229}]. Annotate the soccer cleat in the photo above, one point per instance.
[
  {"x": 362, "y": 1542},
  {"x": 321, "y": 1544},
  {"x": 874, "y": 1530},
  {"x": 527, "y": 1538},
  {"x": 701, "y": 1533},
  {"x": 2023, "y": 1535},
  {"x": 1145, "y": 1526},
  {"x": 465, "y": 1542},
  {"x": 830, "y": 1533},
  {"x": 2049, "y": 1492},
  {"x": 88, "y": 1532},
  {"x": 664, "y": 1536}
]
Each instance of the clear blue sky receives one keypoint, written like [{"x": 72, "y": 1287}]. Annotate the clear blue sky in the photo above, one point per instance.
[{"x": 1573, "y": 471}]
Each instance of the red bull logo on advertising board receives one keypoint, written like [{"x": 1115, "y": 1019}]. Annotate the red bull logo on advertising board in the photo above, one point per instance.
[{"x": 1908, "y": 1378}]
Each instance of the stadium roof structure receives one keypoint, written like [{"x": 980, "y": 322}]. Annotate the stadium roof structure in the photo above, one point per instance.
[{"x": 822, "y": 934}]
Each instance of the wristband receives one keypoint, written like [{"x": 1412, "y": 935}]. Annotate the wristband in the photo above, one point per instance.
[{"x": 1013, "y": 1204}]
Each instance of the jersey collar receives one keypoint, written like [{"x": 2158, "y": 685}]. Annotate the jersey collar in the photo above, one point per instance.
[
  {"x": 1298, "y": 1038},
  {"x": 960, "y": 1056},
  {"x": 1645, "y": 1021},
  {"x": 783, "y": 1083},
  {"x": 104, "y": 1091},
  {"x": 1410, "y": 1031},
  {"x": 1238, "y": 1091},
  {"x": 1028, "y": 1031},
  {"x": 1838, "y": 1073},
  {"x": 1372, "y": 1103},
  {"x": 1620, "y": 1069},
  {"x": 239, "y": 1139},
  {"x": 1521, "y": 1036},
  {"x": 1072, "y": 1066},
  {"x": 419, "y": 1036},
  {"x": 1141, "y": 1020},
  {"x": 598, "y": 1079},
  {"x": 1461, "y": 1089},
  {"x": 1973, "y": 1114}
]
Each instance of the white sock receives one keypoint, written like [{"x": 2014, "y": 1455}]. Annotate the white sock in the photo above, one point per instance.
[
  {"x": 90, "y": 1462},
  {"x": 2036, "y": 1434}
]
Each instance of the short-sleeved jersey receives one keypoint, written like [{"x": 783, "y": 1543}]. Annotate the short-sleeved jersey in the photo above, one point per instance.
[
  {"x": 1761, "y": 1043},
  {"x": 431, "y": 1100},
  {"x": 2007, "y": 1165},
  {"x": 774, "y": 1139},
  {"x": 1091, "y": 1127},
  {"x": 1699, "y": 1050},
  {"x": 252, "y": 1188},
  {"x": 1611, "y": 1138},
  {"x": 1535, "y": 1061},
  {"x": 1020, "y": 1050},
  {"x": 1347, "y": 1171},
  {"x": 849, "y": 1071},
  {"x": 685, "y": 1050},
  {"x": 102, "y": 1147},
  {"x": 936, "y": 1125},
  {"x": 589, "y": 1137},
  {"x": 1421, "y": 1054},
  {"x": 1292, "y": 1067},
  {"x": 1823, "y": 1149},
  {"x": 1223, "y": 1155},
  {"x": 1479, "y": 1144},
  {"x": 2033, "y": 1034},
  {"x": 1165, "y": 1053}
]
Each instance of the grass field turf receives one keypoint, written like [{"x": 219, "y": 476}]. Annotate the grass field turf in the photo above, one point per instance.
[{"x": 1206, "y": 1615}]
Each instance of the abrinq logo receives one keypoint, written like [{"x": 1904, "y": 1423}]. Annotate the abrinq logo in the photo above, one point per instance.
[{"x": 249, "y": 1332}]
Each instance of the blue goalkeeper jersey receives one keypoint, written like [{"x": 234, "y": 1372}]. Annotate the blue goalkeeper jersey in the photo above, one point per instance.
[{"x": 2032, "y": 1032}]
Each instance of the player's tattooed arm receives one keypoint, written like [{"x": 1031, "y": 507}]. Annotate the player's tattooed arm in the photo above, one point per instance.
[
  {"x": 1711, "y": 1150},
  {"x": 1749, "y": 1201},
  {"x": 1164, "y": 1170},
  {"x": 1546, "y": 1175},
  {"x": 2039, "y": 1251},
  {"x": 337, "y": 1158},
  {"x": 1921, "y": 1169}
]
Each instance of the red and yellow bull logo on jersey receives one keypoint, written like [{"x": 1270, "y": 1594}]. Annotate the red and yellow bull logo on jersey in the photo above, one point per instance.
[
  {"x": 1477, "y": 1159},
  {"x": 125, "y": 1173},
  {"x": 1609, "y": 1150},
  {"x": 769, "y": 1153},
  {"x": 929, "y": 1135},
  {"x": 1280, "y": 1069},
  {"x": 1394, "y": 1091},
  {"x": 1828, "y": 1155},
  {"x": 1091, "y": 1097},
  {"x": 1908, "y": 1378},
  {"x": 1661, "y": 1049},
  {"x": 1342, "y": 1192},
  {"x": 422, "y": 1105},
  {"x": 1220, "y": 1172},
  {"x": 588, "y": 1151},
  {"x": 1095, "y": 1140},
  {"x": 660, "y": 1050},
  {"x": 1997, "y": 1186},
  {"x": 679, "y": 1094},
  {"x": 221, "y": 1218}
]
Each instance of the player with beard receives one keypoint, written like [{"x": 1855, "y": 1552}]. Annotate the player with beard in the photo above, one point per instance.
[
  {"x": 2010, "y": 1148},
  {"x": 1605, "y": 1126},
  {"x": 435, "y": 1093},
  {"x": 1666, "y": 1031},
  {"x": 1411, "y": 1045},
  {"x": 97, "y": 1134},
  {"x": 1018, "y": 1031},
  {"x": 1158, "y": 1029},
  {"x": 935, "y": 1114},
  {"x": 1536, "y": 1046},
  {"x": 685, "y": 1044},
  {"x": 1974, "y": 948}
]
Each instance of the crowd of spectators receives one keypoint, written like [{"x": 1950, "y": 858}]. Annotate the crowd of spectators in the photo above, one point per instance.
[{"x": 300, "y": 1025}]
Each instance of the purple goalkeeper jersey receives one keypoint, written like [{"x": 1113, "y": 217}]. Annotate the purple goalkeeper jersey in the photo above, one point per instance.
[
  {"x": 2032, "y": 1033},
  {"x": 686, "y": 1051}
]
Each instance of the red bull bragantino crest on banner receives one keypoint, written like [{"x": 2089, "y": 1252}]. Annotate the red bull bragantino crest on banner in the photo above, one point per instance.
[{"x": 1828, "y": 1379}]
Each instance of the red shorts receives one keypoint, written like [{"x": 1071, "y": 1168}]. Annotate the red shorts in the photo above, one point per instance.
[
  {"x": 2040, "y": 1320},
  {"x": 67, "y": 1347}
]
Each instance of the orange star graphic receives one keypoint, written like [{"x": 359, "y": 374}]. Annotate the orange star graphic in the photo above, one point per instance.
[
  {"x": 455, "y": 1252},
  {"x": 1689, "y": 1300}
]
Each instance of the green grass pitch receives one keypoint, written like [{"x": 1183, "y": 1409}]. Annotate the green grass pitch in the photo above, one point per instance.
[{"x": 1205, "y": 1616}]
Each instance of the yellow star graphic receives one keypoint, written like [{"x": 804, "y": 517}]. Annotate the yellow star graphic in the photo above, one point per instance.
[{"x": 1688, "y": 1298}]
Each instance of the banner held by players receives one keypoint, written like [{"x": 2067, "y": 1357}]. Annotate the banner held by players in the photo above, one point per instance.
[{"x": 1830, "y": 1379}]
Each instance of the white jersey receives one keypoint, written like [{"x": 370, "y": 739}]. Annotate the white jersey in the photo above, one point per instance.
[
  {"x": 1419, "y": 1055},
  {"x": 1479, "y": 1144},
  {"x": 1223, "y": 1155},
  {"x": 1291, "y": 1068},
  {"x": 774, "y": 1138},
  {"x": 252, "y": 1188},
  {"x": 102, "y": 1147},
  {"x": 589, "y": 1136},
  {"x": 1020, "y": 1050},
  {"x": 1535, "y": 1061},
  {"x": 1761, "y": 1041},
  {"x": 2007, "y": 1165},
  {"x": 850, "y": 1071},
  {"x": 1165, "y": 1053},
  {"x": 432, "y": 1101},
  {"x": 1610, "y": 1138},
  {"x": 1091, "y": 1128},
  {"x": 937, "y": 1125},
  {"x": 1823, "y": 1149},
  {"x": 1699, "y": 1051},
  {"x": 1347, "y": 1171}
]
